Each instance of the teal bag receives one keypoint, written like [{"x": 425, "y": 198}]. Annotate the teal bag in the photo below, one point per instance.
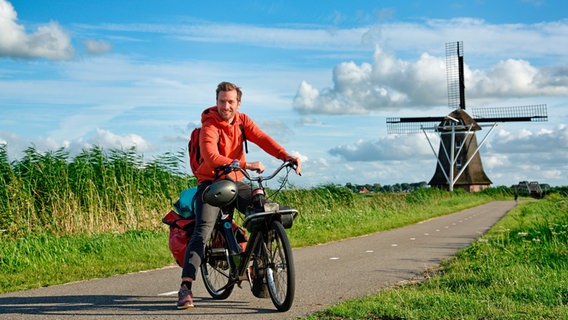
[{"x": 185, "y": 206}]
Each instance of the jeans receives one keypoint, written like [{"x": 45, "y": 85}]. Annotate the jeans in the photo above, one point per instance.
[{"x": 205, "y": 218}]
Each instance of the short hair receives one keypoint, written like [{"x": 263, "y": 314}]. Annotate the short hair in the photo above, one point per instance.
[{"x": 228, "y": 86}]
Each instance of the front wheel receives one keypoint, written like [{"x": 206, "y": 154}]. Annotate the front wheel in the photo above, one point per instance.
[
  {"x": 216, "y": 269},
  {"x": 280, "y": 274}
]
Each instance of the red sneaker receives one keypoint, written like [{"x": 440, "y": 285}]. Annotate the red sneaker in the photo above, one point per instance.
[{"x": 185, "y": 298}]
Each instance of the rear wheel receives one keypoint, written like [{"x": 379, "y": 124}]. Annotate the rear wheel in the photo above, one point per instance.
[
  {"x": 216, "y": 269},
  {"x": 280, "y": 274}
]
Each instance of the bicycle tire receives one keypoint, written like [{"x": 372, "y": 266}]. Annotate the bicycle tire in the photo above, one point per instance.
[
  {"x": 280, "y": 274},
  {"x": 216, "y": 269}
]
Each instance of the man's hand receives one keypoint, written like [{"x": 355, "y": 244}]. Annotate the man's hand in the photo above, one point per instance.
[
  {"x": 255, "y": 166},
  {"x": 297, "y": 162}
]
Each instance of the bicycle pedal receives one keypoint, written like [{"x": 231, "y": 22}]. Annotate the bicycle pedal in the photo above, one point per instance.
[
  {"x": 249, "y": 275},
  {"x": 218, "y": 251}
]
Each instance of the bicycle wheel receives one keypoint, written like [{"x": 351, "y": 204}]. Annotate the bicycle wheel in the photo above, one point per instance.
[
  {"x": 280, "y": 274},
  {"x": 216, "y": 269}
]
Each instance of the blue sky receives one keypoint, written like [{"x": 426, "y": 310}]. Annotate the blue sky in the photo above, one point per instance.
[{"x": 319, "y": 76}]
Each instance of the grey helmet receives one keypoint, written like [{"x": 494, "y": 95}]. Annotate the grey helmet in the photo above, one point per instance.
[{"x": 220, "y": 193}]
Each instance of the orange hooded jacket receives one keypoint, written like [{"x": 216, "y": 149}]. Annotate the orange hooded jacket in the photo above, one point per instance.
[{"x": 221, "y": 143}]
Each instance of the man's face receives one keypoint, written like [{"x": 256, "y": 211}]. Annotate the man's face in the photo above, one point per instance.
[{"x": 227, "y": 105}]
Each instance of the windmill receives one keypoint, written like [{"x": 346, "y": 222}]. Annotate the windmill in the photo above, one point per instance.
[{"x": 458, "y": 160}]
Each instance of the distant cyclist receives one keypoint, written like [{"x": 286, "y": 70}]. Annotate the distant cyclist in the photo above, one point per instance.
[{"x": 221, "y": 142}]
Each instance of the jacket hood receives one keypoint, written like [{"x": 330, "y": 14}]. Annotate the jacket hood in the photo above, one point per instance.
[{"x": 211, "y": 115}]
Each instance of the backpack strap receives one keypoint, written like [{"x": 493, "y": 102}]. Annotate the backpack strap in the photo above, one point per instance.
[{"x": 244, "y": 137}]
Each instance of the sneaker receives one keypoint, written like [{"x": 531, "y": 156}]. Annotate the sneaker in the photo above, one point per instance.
[{"x": 185, "y": 298}]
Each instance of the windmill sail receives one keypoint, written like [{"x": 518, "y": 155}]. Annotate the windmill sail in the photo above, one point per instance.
[
  {"x": 455, "y": 75},
  {"x": 529, "y": 113}
]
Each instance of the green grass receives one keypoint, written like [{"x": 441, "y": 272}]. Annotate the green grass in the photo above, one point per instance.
[
  {"x": 331, "y": 213},
  {"x": 518, "y": 270},
  {"x": 47, "y": 260},
  {"x": 324, "y": 216}
]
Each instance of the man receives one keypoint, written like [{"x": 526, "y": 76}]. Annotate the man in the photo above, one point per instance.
[{"x": 221, "y": 142}]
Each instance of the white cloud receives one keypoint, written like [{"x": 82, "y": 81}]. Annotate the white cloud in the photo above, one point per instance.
[
  {"x": 47, "y": 41},
  {"x": 483, "y": 38},
  {"x": 518, "y": 78},
  {"x": 97, "y": 46},
  {"x": 305, "y": 37},
  {"x": 386, "y": 84},
  {"x": 388, "y": 148},
  {"x": 395, "y": 83},
  {"x": 549, "y": 141},
  {"x": 111, "y": 140}
]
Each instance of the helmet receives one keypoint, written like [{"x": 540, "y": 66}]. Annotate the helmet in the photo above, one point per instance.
[{"x": 220, "y": 193}]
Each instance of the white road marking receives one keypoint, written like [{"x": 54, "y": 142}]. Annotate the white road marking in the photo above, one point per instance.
[{"x": 171, "y": 293}]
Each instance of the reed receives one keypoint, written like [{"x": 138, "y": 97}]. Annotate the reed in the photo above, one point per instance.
[{"x": 95, "y": 191}]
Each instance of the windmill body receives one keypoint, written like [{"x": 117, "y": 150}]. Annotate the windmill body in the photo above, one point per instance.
[
  {"x": 458, "y": 136},
  {"x": 458, "y": 160}
]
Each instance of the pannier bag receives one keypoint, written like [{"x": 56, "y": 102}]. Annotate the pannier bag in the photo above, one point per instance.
[{"x": 181, "y": 230}]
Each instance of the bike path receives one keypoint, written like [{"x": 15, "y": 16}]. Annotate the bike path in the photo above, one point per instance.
[{"x": 325, "y": 275}]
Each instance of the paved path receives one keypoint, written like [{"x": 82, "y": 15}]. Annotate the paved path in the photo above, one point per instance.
[{"x": 326, "y": 275}]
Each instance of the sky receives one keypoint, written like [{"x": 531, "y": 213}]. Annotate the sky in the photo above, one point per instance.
[{"x": 320, "y": 77}]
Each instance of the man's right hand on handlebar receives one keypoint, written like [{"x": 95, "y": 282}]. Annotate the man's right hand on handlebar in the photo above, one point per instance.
[{"x": 297, "y": 162}]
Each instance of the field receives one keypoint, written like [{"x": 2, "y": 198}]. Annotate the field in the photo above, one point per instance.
[{"x": 99, "y": 214}]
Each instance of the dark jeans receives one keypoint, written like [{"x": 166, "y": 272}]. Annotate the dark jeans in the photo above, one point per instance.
[{"x": 205, "y": 218}]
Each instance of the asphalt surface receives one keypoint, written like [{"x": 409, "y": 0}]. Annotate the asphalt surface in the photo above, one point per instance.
[{"x": 325, "y": 275}]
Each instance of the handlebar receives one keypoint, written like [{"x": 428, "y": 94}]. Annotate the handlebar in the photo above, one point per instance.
[{"x": 234, "y": 166}]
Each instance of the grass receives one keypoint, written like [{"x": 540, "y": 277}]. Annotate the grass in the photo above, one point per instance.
[
  {"x": 331, "y": 213},
  {"x": 518, "y": 270},
  {"x": 82, "y": 256},
  {"x": 47, "y": 260}
]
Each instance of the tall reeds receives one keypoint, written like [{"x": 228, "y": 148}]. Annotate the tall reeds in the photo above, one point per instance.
[
  {"x": 99, "y": 191},
  {"x": 94, "y": 191}
]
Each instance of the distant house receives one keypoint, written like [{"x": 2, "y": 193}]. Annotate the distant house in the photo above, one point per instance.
[{"x": 526, "y": 188}]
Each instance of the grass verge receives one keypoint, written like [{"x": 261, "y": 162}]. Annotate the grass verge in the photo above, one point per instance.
[
  {"x": 47, "y": 260},
  {"x": 327, "y": 214},
  {"x": 518, "y": 270}
]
